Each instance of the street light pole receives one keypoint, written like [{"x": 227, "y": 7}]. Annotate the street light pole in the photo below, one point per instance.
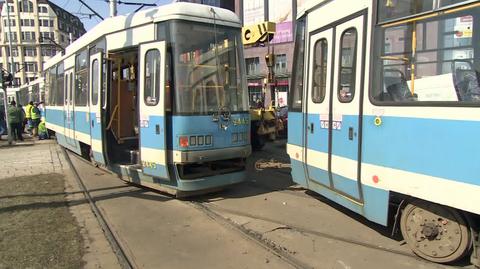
[
  {"x": 10, "y": 138},
  {"x": 113, "y": 8}
]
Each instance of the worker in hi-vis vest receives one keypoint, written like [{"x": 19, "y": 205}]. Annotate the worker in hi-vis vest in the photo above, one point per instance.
[
  {"x": 28, "y": 115},
  {"x": 36, "y": 115}
]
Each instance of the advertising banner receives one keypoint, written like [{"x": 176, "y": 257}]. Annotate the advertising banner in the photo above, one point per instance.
[
  {"x": 253, "y": 11},
  {"x": 280, "y": 12}
]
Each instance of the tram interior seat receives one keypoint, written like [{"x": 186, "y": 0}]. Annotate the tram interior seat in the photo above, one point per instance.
[
  {"x": 396, "y": 87},
  {"x": 466, "y": 84}
]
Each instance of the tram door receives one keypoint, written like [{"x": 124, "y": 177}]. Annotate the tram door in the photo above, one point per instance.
[
  {"x": 69, "y": 110},
  {"x": 333, "y": 107},
  {"x": 96, "y": 107},
  {"x": 153, "y": 150}
]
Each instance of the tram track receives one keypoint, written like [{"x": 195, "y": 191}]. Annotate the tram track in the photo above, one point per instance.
[
  {"x": 215, "y": 208},
  {"x": 124, "y": 260},
  {"x": 217, "y": 214}
]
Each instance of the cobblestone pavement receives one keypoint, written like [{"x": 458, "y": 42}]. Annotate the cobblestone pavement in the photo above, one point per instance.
[{"x": 41, "y": 158}]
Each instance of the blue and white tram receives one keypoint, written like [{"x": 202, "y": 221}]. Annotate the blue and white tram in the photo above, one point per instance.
[
  {"x": 387, "y": 96},
  {"x": 158, "y": 96},
  {"x": 34, "y": 91}
]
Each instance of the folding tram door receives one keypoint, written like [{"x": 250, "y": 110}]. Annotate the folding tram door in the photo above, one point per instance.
[
  {"x": 333, "y": 124},
  {"x": 153, "y": 145}
]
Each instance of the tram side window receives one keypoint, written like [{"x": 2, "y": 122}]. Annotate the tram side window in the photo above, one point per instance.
[
  {"x": 428, "y": 61},
  {"x": 81, "y": 78},
  {"x": 394, "y": 9},
  {"x": 348, "y": 56},
  {"x": 151, "y": 92},
  {"x": 298, "y": 70},
  {"x": 59, "y": 94},
  {"x": 94, "y": 82},
  {"x": 320, "y": 71},
  {"x": 52, "y": 85}
]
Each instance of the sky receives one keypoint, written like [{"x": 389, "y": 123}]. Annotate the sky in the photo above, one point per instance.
[{"x": 102, "y": 7}]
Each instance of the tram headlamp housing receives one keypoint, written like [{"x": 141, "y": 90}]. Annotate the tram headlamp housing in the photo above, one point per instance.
[{"x": 183, "y": 141}]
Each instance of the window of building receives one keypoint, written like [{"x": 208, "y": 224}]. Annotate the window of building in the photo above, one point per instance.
[
  {"x": 42, "y": 9},
  {"x": 253, "y": 65},
  {"x": 281, "y": 63},
  {"x": 13, "y": 36},
  {"x": 11, "y": 8},
  {"x": 28, "y": 36},
  {"x": 348, "y": 56},
  {"x": 320, "y": 63},
  {"x": 26, "y": 6},
  {"x": 14, "y": 52},
  {"x": 51, "y": 23},
  {"x": 29, "y": 51},
  {"x": 44, "y": 23},
  {"x": 16, "y": 82},
  {"x": 31, "y": 67},
  {"x": 62, "y": 38},
  {"x": 81, "y": 78},
  {"x": 27, "y": 22},
  {"x": 439, "y": 67},
  {"x": 152, "y": 78},
  {"x": 12, "y": 22},
  {"x": 16, "y": 67}
]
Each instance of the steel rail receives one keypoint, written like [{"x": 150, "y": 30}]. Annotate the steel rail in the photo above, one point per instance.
[{"x": 123, "y": 259}]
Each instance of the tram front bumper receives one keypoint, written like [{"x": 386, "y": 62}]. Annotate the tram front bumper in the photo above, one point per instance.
[{"x": 211, "y": 155}]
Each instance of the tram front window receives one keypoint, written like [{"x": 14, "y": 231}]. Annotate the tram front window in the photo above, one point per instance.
[{"x": 207, "y": 68}]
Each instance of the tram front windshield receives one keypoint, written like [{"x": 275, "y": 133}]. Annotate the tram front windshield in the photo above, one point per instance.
[{"x": 207, "y": 68}]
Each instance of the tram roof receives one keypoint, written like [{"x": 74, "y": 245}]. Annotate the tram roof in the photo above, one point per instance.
[
  {"x": 310, "y": 4},
  {"x": 180, "y": 10}
]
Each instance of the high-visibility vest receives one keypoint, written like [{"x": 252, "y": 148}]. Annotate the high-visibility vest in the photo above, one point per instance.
[
  {"x": 35, "y": 113},
  {"x": 28, "y": 111}
]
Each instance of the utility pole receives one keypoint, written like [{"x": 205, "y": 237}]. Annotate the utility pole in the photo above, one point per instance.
[
  {"x": 113, "y": 8},
  {"x": 12, "y": 72}
]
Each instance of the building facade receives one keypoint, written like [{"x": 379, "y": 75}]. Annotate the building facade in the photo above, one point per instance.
[{"x": 38, "y": 29}]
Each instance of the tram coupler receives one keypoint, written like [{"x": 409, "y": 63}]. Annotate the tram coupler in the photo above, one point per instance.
[{"x": 263, "y": 164}]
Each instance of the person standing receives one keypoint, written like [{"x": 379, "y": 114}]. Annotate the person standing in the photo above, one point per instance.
[
  {"x": 15, "y": 119},
  {"x": 28, "y": 115},
  {"x": 3, "y": 126},
  {"x": 35, "y": 119}
]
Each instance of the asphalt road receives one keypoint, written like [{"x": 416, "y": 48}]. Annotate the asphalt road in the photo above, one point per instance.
[{"x": 267, "y": 222}]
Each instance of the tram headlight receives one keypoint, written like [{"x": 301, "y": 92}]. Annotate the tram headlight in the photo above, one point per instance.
[
  {"x": 208, "y": 140},
  {"x": 193, "y": 140},
  {"x": 183, "y": 141},
  {"x": 200, "y": 140}
]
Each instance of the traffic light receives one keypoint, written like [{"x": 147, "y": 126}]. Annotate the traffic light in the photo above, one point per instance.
[{"x": 6, "y": 79}]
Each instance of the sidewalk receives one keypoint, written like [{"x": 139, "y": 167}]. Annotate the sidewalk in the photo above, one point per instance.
[{"x": 25, "y": 168}]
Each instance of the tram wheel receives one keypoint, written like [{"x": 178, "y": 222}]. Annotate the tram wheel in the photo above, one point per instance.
[{"x": 436, "y": 233}]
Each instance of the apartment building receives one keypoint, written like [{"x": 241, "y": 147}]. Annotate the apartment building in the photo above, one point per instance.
[{"x": 38, "y": 30}]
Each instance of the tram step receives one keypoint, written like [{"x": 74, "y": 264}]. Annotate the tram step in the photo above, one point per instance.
[{"x": 134, "y": 157}]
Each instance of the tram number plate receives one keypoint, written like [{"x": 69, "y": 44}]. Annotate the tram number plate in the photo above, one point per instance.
[
  {"x": 150, "y": 165},
  {"x": 336, "y": 125}
]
